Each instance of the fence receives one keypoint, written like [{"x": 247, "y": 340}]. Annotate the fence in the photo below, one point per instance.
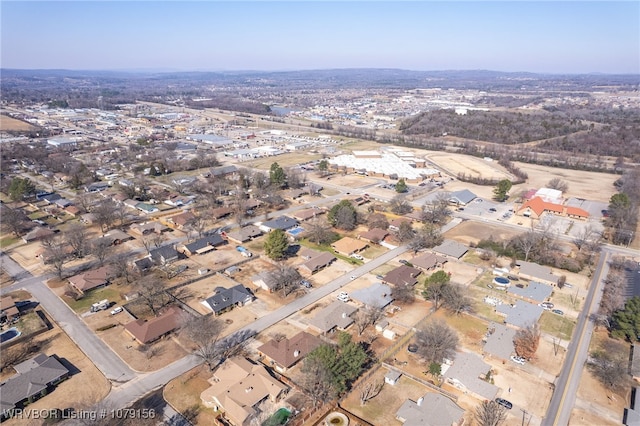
[{"x": 422, "y": 381}]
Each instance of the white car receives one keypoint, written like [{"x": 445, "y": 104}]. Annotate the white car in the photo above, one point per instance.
[
  {"x": 343, "y": 297},
  {"x": 353, "y": 277},
  {"x": 518, "y": 359},
  {"x": 357, "y": 256},
  {"x": 117, "y": 310}
]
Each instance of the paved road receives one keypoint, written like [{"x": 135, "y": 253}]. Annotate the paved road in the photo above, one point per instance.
[
  {"x": 98, "y": 352},
  {"x": 129, "y": 392},
  {"x": 566, "y": 386}
]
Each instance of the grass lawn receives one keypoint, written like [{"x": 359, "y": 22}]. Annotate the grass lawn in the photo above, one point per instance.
[
  {"x": 567, "y": 300},
  {"x": 373, "y": 251},
  {"x": 306, "y": 243},
  {"x": 330, "y": 192},
  {"x": 30, "y": 323},
  {"x": 184, "y": 391},
  {"x": 92, "y": 297},
  {"x": 284, "y": 160},
  {"x": 8, "y": 240},
  {"x": 556, "y": 325},
  {"x": 473, "y": 258},
  {"x": 37, "y": 215}
]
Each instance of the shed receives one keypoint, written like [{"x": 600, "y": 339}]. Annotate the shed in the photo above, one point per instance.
[{"x": 392, "y": 377}]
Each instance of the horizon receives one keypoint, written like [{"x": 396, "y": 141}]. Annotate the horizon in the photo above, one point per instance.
[{"x": 545, "y": 37}]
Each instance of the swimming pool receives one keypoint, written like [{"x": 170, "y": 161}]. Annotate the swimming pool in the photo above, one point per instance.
[
  {"x": 11, "y": 333},
  {"x": 295, "y": 231}
]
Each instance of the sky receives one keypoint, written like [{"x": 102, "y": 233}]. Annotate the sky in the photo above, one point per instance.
[{"x": 539, "y": 36}]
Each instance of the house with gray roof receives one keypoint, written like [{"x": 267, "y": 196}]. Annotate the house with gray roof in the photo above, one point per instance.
[
  {"x": 36, "y": 377},
  {"x": 204, "y": 245},
  {"x": 467, "y": 373},
  {"x": 266, "y": 280},
  {"x": 451, "y": 248},
  {"x": 243, "y": 234},
  {"x": 226, "y": 298},
  {"x": 533, "y": 292},
  {"x": 521, "y": 314},
  {"x": 164, "y": 255},
  {"x": 433, "y": 409},
  {"x": 533, "y": 271},
  {"x": 378, "y": 295},
  {"x": 283, "y": 222},
  {"x": 462, "y": 198},
  {"x": 336, "y": 315},
  {"x": 499, "y": 342}
]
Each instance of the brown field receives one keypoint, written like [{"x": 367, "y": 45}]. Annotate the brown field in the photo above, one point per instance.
[
  {"x": 472, "y": 232},
  {"x": 9, "y": 124},
  {"x": 183, "y": 393},
  {"x": 589, "y": 185},
  {"x": 455, "y": 164}
]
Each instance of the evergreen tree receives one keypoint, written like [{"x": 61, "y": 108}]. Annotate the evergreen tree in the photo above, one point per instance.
[{"x": 276, "y": 244}]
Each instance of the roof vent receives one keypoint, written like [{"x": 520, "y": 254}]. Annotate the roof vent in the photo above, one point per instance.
[
  {"x": 296, "y": 353},
  {"x": 249, "y": 389}
]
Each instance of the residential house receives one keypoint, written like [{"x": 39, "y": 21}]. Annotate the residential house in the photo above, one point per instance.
[
  {"x": 8, "y": 309},
  {"x": 521, "y": 314},
  {"x": 72, "y": 211},
  {"x": 374, "y": 235},
  {"x": 36, "y": 377},
  {"x": 349, "y": 246},
  {"x": 433, "y": 409},
  {"x": 116, "y": 237},
  {"x": 499, "y": 341},
  {"x": 163, "y": 255},
  {"x": 221, "y": 212},
  {"x": 91, "y": 279},
  {"x": 534, "y": 292},
  {"x": 176, "y": 200},
  {"x": 376, "y": 295},
  {"x": 307, "y": 253},
  {"x": 222, "y": 171},
  {"x": 203, "y": 245},
  {"x": 428, "y": 261},
  {"x": 307, "y": 214},
  {"x": 533, "y": 271},
  {"x": 238, "y": 387},
  {"x": 243, "y": 234},
  {"x": 452, "y": 249},
  {"x": 394, "y": 225},
  {"x": 283, "y": 223},
  {"x": 285, "y": 353},
  {"x": 467, "y": 373},
  {"x": 148, "y": 228},
  {"x": 295, "y": 193},
  {"x": 37, "y": 233},
  {"x": 266, "y": 280},
  {"x": 225, "y": 299},
  {"x": 335, "y": 316},
  {"x": 462, "y": 198},
  {"x": 181, "y": 220},
  {"x": 402, "y": 275},
  {"x": 96, "y": 187},
  {"x": 316, "y": 263},
  {"x": 147, "y": 331}
]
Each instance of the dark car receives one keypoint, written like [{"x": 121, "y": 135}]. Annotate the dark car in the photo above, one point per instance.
[
  {"x": 492, "y": 209},
  {"x": 404, "y": 262},
  {"x": 513, "y": 278},
  {"x": 506, "y": 404}
]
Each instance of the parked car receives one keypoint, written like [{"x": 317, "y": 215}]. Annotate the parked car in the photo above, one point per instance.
[
  {"x": 353, "y": 277},
  {"x": 343, "y": 297},
  {"x": 380, "y": 277},
  {"x": 506, "y": 404},
  {"x": 404, "y": 262},
  {"x": 518, "y": 359},
  {"x": 557, "y": 312},
  {"x": 357, "y": 256},
  {"x": 493, "y": 210},
  {"x": 513, "y": 278},
  {"x": 117, "y": 310},
  {"x": 546, "y": 305},
  {"x": 567, "y": 285},
  {"x": 305, "y": 284}
]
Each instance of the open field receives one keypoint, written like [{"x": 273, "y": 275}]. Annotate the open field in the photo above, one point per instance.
[
  {"x": 472, "y": 232},
  {"x": 9, "y": 124},
  {"x": 454, "y": 164},
  {"x": 284, "y": 160},
  {"x": 582, "y": 184}
]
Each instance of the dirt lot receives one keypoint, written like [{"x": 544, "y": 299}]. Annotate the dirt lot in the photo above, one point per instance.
[
  {"x": 471, "y": 232},
  {"x": 454, "y": 164},
  {"x": 184, "y": 391},
  {"x": 85, "y": 387},
  {"x": 11, "y": 124}
]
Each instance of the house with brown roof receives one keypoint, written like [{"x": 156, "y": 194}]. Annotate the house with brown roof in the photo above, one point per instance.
[
  {"x": 8, "y": 309},
  {"x": 284, "y": 353},
  {"x": 91, "y": 279},
  {"x": 428, "y": 261},
  {"x": 307, "y": 214},
  {"x": 237, "y": 389},
  {"x": 37, "y": 234},
  {"x": 308, "y": 253},
  {"x": 316, "y": 263},
  {"x": 221, "y": 212},
  {"x": 374, "y": 235},
  {"x": 402, "y": 275},
  {"x": 148, "y": 228},
  {"x": 146, "y": 331},
  {"x": 72, "y": 210},
  {"x": 394, "y": 225},
  {"x": 181, "y": 220},
  {"x": 349, "y": 246}
]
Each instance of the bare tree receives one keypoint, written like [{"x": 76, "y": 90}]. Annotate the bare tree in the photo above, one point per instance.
[
  {"x": 157, "y": 239},
  {"x": 405, "y": 232},
  {"x": 404, "y": 293},
  {"x": 400, "y": 205},
  {"x": 296, "y": 178},
  {"x": 426, "y": 237},
  {"x": 105, "y": 214},
  {"x": 120, "y": 266},
  {"x": 287, "y": 279},
  {"x": 85, "y": 201},
  {"x": 436, "y": 341},
  {"x": 559, "y": 184},
  {"x": 76, "y": 236},
  {"x": 526, "y": 242},
  {"x": 320, "y": 232},
  {"x": 455, "y": 299},
  {"x": 151, "y": 293},
  {"x": 204, "y": 331},
  {"x": 101, "y": 248},
  {"x": 526, "y": 341},
  {"x": 490, "y": 413},
  {"x": 370, "y": 390},
  {"x": 14, "y": 219},
  {"x": 377, "y": 220},
  {"x": 611, "y": 368},
  {"x": 55, "y": 252},
  {"x": 198, "y": 224},
  {"x": 317, "y": 381},
  {"x": 436, "y": 210},
  {"x": 147, "y": 242},
  {"x": 368, "y": 315}
]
